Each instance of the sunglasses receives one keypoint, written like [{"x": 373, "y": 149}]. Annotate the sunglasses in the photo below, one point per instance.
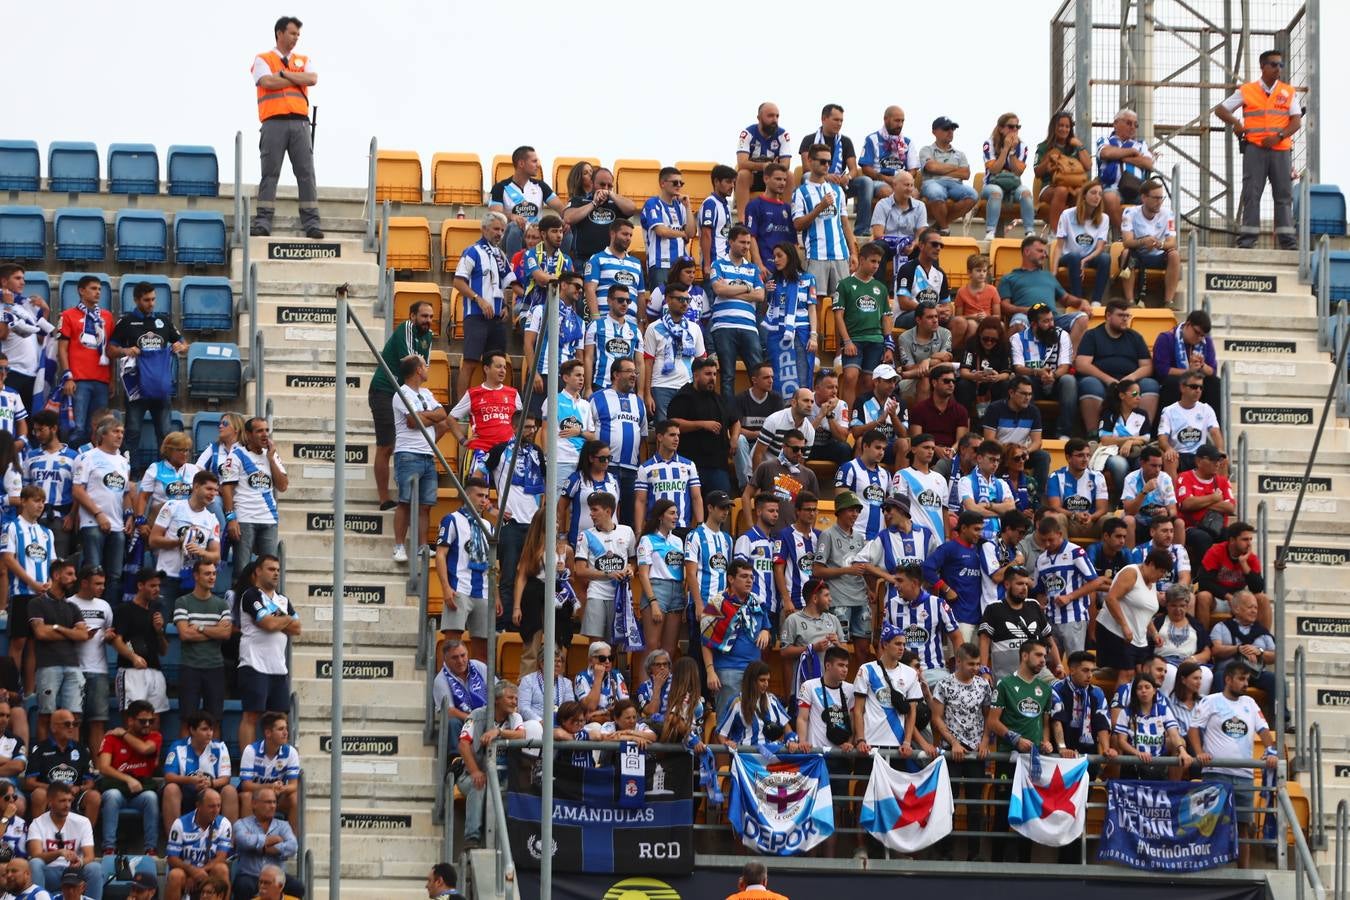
[
  {"x": 824, "y": 162},
  {"x": 1274, "y": 65},
  {"x": 1019, "y": 571},
  {"x": 1013, "y": 127},
  {"x": 946, "y": 381},
  {"x": 793, "y": 448},
  {"x": 145, "y": 721},
  {"x": 604, "y": 459},
  {"x": 675, "y": 183},
  {"x": 599, "y": 658}
]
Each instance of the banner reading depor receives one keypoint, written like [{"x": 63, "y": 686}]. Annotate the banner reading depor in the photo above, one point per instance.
[
  {"x": 1169, "y": 826},
  {"x": 780, "y": 806}
]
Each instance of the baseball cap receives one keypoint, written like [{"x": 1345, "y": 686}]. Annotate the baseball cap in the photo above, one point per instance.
[
  {"x": 969, "y": 517},
  {"x": 71, "y": 877},
  {"x": 1208, "y": 451},
  {"x": 846, "y": 500},
  {"x": 719, "y": 498},
  {"x": 885, "y": 370},
  {"x": 900, "y": 503},
  {"x": 944, "y": 122},
  {"x": 143, "y": 881}
]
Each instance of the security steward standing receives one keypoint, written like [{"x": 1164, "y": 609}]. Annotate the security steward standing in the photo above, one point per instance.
[
  {"x": 1270, "y": 116},
  {"x": 283, "y": 79}
]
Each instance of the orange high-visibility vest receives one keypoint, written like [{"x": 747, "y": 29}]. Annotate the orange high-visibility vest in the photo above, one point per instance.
[
  {"x": 1266, "y": 114},
  {"x": 292, "y": 100},
  {"x": 756, "y": 895}
]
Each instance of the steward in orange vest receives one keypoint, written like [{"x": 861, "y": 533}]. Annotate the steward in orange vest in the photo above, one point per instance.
[{"x": 283, "y": 78}]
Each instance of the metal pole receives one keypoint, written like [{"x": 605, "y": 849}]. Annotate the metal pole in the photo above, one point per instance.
[
  {"x": 339, "y": 589},
  {"x": 1305, "y": 225},
  {"x": 1312, "y": 120},
  {"x": 1243, "y": 469},
  {"x": 239, "y": 231},
  {"x": 1082, "y": 64},
  {"x": 1300, "y": 712},
  {"x": 1322, "y": 291},
  {"x": 1192, "y": 265},
  {"x": 1226, "y": 393},
  {"x": 370, "y": 196},
  {"x": 551, "y": 326}
]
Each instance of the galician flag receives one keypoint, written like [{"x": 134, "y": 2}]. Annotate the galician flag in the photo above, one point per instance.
[
  {"x": 780, "y": 806},
  {"x": 908, "y": 812},
  {"x": 1049, "y": 806}
]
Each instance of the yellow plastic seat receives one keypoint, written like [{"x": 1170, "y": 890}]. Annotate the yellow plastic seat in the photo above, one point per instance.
[
  {"x": 509, "y": 649},
  {"x": 824, "y": 514},
  {"x": 409, "y": 243},
  {"x": 1006, "y": 255},
  {"x": 1055, "y": 448},
  {"x": 697, "y": 181},
  {"x": 398, "y": 176},
  {"x": 637, "y": 179},
  {"x": 562, "y": 166},
  {"x": 447, "y": 444},
  {"x": 501, "y": 168},
  {"x": 1148, "y": 322},
  {"x": 456, "y": 331},
  {"x": 406, "y": 293},
  {"x": 457, "y": 235},
  {"x": 829, "y": 329},
  {"x": 952, "y": 259},
  {"x": 438, "y": 379},
  {"x": 456, "y": 178}
]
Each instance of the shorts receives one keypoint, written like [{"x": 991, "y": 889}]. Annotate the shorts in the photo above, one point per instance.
[
  {"x": 1114, "y": 652},
  {"x": 1071, "y": 637},
  {"x": 856, "y": 621},
  {"x": 19, "y": 626},
  {"x": 382, "y": 414},
  {"x": 59, "y": 687},
  {"x": 828, "y": 273},
  {"x": 1221, "y": 605},
  {"x": 597, "y": 618},
  {"x": 1150, "y": 259},
  {"x": 869, "y": 355},
  {"x": 1063, "y": 321},
  {"x": 261, "y": 692},
  {"x": 482, "y": 335},
  {"x": 936, "y": 189},
  {"x": 1244, "y": 794},
  {"x": 142, "y": 684},
  {"x": 96, "y": 696},
  {"x": 406, "y": 465},
  {"x": 670, "y": 595},
  {"x": 469, "y": 613}
]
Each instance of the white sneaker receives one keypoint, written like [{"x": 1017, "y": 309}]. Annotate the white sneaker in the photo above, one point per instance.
[
  {"x": 988, "y": 235},
  {"x": 400, "y": 553}
]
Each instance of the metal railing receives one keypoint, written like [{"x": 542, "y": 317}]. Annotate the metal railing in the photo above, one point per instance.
[
  {"x": 385, "y": 293},
  {"x": 1316, "y": 798},
  {"x": 299, "y": 826},
  {"x": 370, "y": 197},
  {"x": 1341, "y": 871},
  {"x": 240, "y": 229},
  {"x": 1340, "y": 383},
  {"x": 307, "y": 870},
  {"x": 1192, "y": 271},
  {"x": 1322, "y": 291},
  {"x": 1305, "y": 866},
  {"x": 1304, "y": 226},
  {"x": 1226, "y": 401},
  {"x": 444, "y": 784},
  {"x": 1300, "y": 710},
  {"x": 495, "y": 827},
  {"x": 1241, "y": 455}
]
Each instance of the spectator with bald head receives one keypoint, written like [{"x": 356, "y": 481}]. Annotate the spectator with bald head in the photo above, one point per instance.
[{"x": 199, "y": 846}]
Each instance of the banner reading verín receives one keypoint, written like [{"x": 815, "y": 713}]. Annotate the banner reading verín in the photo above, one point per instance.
[{"x": 1169, "y": 826}]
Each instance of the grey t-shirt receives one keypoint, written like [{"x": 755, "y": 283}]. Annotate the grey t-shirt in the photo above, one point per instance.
[
  {"x": 951, "y": 156},
  {"x": 836, "y": 550},
  {"x": 772, "y": 477},
  {"x": 52, "y": 611},
  {"x": 802, "y": 630}
]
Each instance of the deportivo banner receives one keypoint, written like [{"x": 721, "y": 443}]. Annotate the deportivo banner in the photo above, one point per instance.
[
  {"x": 593, "y": 829},
  {"x": 1048, "y": 805},
  {"x": 780, "y": 806},
  {"x": 1169, "y": 826},
  {"x": 908, "y": 811}
]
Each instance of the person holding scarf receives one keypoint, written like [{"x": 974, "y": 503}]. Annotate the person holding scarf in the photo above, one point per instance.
[
  {"x": 604, "y": 560},
  {"x": 886, "y": 697},
  {"x": 736, "y": 630},
  {"x": 168, "y": 479},
  {"x": 532, "y": 688},
  {"x": 791, "y": 321},
  {"x": 146, "y": 342},
  {"x": 660, "y": 571},
  {"x": 82, "y": 352},
  {"x": 570, "y": 328},
  {"x": 462, "y": 683},
  {"x": 757, "y": 717},
  {"x": 522, "y": 466},
  {"x": 599, "y": 686},
  {"x": 808, "y": 633},
  {"x": 669, "y": 347},
  {"x": 1188, "y": 350}
]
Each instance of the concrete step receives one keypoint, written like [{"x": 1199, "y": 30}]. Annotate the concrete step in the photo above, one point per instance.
[
  {"x": 1290, "y": 424},
  {"x": 368, "y": 629},
  {"x": 1224, "y": 272},
  {"x": 313, "y": 662},
  {"x": 363, "y": 744},
  {"x": 310, "y": 355},
  {"x": 289, "y": 248},
  {"x": 316, "y": 567},
  {"x": 1271, "y": 375},
  {"x": 374, "y": 888},
  {"x": 309, "y": 582},
  {"x": 1267, "y": 347},
  {"x": 1262, "y": 318},
  {"x": 1299, "y": 303},
  {"x": 1323, "y": 632},
  {"x": 391, "y": 710},
  {"x": 406, "y": 780},
  {"x": 1315, "y": 565},
  {"x": 363, "y": 692}
]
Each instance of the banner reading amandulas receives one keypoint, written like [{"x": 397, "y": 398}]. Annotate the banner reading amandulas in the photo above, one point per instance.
[{"x": 1169, "y": 826}]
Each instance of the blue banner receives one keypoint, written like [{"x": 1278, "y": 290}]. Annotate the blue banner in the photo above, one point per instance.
[
  {"x": 1169, "y": 826},
  {"x": 780, "y": 806}
]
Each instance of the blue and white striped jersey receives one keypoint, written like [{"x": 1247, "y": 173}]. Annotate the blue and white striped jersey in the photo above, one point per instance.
[
  {"x": 735, "y": 312},
  {"x": 621, "y": 421},
  {"x": 663, "y": 251},
  {"x": 1181, "y": 562},
  {"x": 53, "y": 472},
  {"x": 760, "y": 550},
  {"x": 12, "y": 410},
  {"x": 1147, "y": 731},
  {"x": 197, "y": 845},
  {"x": 797, "y": 553},
  {"x": 715, "y": 213},
  {"x": 612, "y": 689},
  {"x": 927, "y": 493},
  {"x": 1077, "y": 494},
  {"x": 889, "y": 153},
  {"x": 467, "y": 556},
  {"x": 182, "y": 759},
  {"x": 605, "y": 270},
  {"x": 892, "y": 548},
  {"x": 1059, "y": 572},
  {"x": 764, "y": 148},
  {"x": 1029, "y": 351},
  {"x": 980, "y": 489},
  {"x": 709, "y": 551},
  {"x": 824, "y": 237},
  {"x": 612, "y": 340},
  {"x": 870, "y": 485},
  {"x": 923, "y": 622},
  {"x": 579, "y": 489},
  {"x": 751, "y": 734},
  {"x": 33, "y": 548},
  {"x": 256, "y": 766},
  {"x": 486, "y": 269},
  {"x": 669, "y": 479}
]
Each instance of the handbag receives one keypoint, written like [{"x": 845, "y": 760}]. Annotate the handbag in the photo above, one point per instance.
[
  {"x": 1212, "y": 523},
  {"x": 837, "y": 730},
  {"x": 1068, "y": 173},
  {"x": 1006, "y": 182},
  {"x": 1128, "y": 186}
]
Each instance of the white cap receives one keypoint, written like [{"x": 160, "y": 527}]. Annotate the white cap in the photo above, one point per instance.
[{"x": 885, "y": 370}]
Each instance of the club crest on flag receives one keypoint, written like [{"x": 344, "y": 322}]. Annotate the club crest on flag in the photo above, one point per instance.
[
  {"x": 780, "y": 807},
  {"x": 1050, "y": 809},
  {"x": 908, "y": 811}
]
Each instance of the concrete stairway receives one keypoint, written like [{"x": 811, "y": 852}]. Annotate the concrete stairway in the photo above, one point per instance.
[
  {"x": 1265, "y": 324},
  {"x": 388, "y": 781}
]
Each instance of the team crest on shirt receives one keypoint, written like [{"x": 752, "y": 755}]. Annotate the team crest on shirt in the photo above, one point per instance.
[
  {"x": 260, "y": 481},
  {"x": 64, "y": 774},
  {"x": 114, "y": 481},
  {"x": 569, "y": 422},
  {"x": 1234, "y": 727},
  {"x": 1189, "y": 435},
  {"x": 617, "y": 347},
  {"x": 179, "y": 490},
  {"x": 150, "y": 341},
  {"x": 625, "y": 277},
  {"x": 35, "y": 552},
  {"x": 928, "y": 295},
  {"x": 717, "y": 562},
  {"x": 806, "y": 562}
]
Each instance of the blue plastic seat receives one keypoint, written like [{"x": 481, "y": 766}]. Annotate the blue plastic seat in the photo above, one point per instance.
[
  {"x": 207, "y": 304},
  {"x": 133, "y": 169},
  {"x": 1327, "y": 210},
  {"x": 81, "y": 235},
  {"x": 215, "y": 371},
  {"x": 141, "y": 236},
  {"x": 38, "y": 284},
  {"x": 205, "y": 431},
  {"x": 199, "y": 238},
  {"x": 69, "y": 291},
  {"x": 72, "y": 166},
  {"x": 163, "y": 294},
  {"x": 23, "y": 232},
  {"x": 20, "y": 166},
  {"x": 193, "y": 171}
]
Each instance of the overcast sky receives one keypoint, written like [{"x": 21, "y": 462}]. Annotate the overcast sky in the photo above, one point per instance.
[{"x": 638, "y": 79}]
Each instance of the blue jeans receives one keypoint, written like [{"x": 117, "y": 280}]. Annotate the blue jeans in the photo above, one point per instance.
[
  {"x": 1117, "y": 467},
  {"x": 148, "y": 804},
  {"x": 731, "y": 689},
  {"x": 1065, "y": 391},
  {"x": 862, "y": 189},
  {"x": 943, "y": 189},
  {"x": 513, "y": 240},
  {"x": 1090, "y": 386},
  {"x": 48, "y": 877},
  {"x": 993, "y": 198},
  {"x": 744, "y": 454},
  {"x": 89, "y": 396},
  {"x": 1101, "y": 265},
  {"x": 714, "y": 480},
  {"x": 107, "y": 550},
  {"x": 662, "y": 396},
  {"x": 160, "y": 419},
  {"x": 255, "y": 539},
  {"x": 509, "y": 546},
  {"x": 731, "y": 344}
]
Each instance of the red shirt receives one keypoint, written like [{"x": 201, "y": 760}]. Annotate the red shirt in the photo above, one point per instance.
[
  {"x": 1189, "y": 484},
  {"x": 84, "y": 361},
  {"x": 941, "y": 424},
  {"x": 1225, "y": 570},
  {"x": 490, "y": 412},
  {"x": 129, "y": 762}
]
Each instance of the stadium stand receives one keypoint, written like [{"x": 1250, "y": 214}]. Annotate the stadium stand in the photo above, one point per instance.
[
  {"x": 141, "y": 236},
  {"x": 193, "y": 171},
  {"x": 73, "y": 166},
  {"x": 207, "y": 303},
  {"x": 133, "y": 169},
  {"x": 456, "y": 178},
  {"x": 81, "y": 235},
  {"x": 409, "y": 244},
  {"x": 199, "y": 238},
  {"x": 23, "y": 232},
  {"x": 163, "y": 293},
  {"x": 20, "y": 166},
  {"x": 68, "y": 289},
  {"x": 398, "y": 176}
]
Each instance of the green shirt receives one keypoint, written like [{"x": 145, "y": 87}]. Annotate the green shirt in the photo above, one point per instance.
[
  {"x": 405, "y": 341},
  {"x": 1027, "y": 287},
  {"x": 866, "y": 305},
  {"x": 1022, "y": 706},
  {"x": 203, "y": 614}
]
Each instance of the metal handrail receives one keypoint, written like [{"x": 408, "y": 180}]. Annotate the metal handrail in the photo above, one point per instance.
[
  {"x": 444, "y": 787},
  {"x": 1316, "y": 799},
  {"x": 1192, "y": 271},
  {"x": 386, "y": 274},
  {"x": 240, "y": 233},
  {"x": 424, "y": 644},
  {"x": 1322, "y": 291},
  {"x": 370, "y": 197},
  {"x": 259, "y": 394},
  {"x": 307, "y": 870},
  {"x": 1300, "y": 707},
  {"x": 301, "y": 839},
  {"x": 1241, "y": 454},
  {"x": 429, "y": 720},
  {"x": 1341, "y": 322},
  {"x": 1305, "y": 867},
  {"x": 1341, "y": 871},
  {"x": 1226, "y": 401},
  {"x": 506, "y": 866},
  {"x": 1304, "y": 226}
]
